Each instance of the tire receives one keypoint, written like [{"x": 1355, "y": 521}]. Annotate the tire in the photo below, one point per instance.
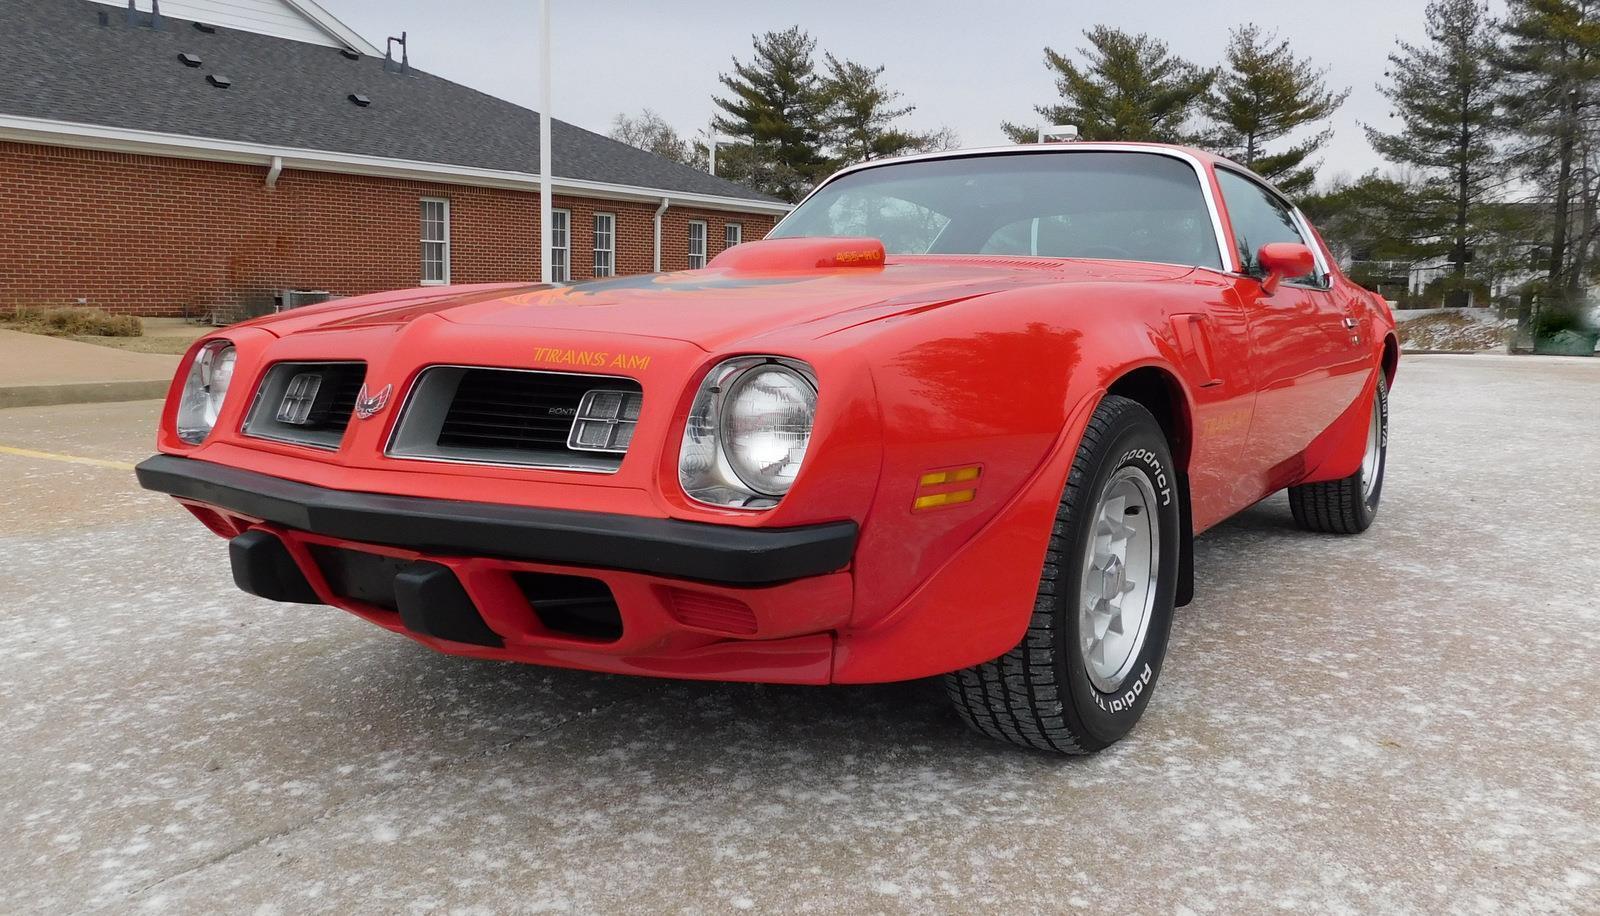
[
  {"x": 1043, "y": 693},
  {"x": 1348, "y": 506}
]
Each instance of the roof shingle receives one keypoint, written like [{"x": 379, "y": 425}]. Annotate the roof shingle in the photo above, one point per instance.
[{"x": 61, "y": 64}]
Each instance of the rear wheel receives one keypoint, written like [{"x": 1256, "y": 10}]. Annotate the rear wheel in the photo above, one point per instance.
[
  {"x": 1348, "y": 506},
  {"x": 1087, "y": 666}
]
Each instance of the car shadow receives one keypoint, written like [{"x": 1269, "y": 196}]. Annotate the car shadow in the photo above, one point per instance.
[{"x": 531, "y": 705}]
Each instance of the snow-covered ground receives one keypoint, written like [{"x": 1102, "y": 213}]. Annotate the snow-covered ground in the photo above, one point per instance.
[{"x": 1401, "y": 722}]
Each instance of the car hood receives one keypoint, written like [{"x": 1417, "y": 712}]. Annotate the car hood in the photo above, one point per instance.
[{"x": 715, "y": 307}]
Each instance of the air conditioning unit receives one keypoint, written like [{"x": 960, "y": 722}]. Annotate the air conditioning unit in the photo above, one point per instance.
[{"x": 294, "y": 298}]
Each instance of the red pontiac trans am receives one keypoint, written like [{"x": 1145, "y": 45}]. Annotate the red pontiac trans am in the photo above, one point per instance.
[{"x": 958, "y": 414}]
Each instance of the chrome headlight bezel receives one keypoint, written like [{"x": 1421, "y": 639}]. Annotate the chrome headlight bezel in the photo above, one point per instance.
[
  {"x": 710, "y": 468},
  {"x": 205, "y": 390}
]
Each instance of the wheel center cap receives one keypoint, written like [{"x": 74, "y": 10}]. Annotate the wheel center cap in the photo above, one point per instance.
[{"x": 1113, "y": 579}]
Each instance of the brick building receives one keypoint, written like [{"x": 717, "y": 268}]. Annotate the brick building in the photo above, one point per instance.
[{"x": 166, "y": 166}]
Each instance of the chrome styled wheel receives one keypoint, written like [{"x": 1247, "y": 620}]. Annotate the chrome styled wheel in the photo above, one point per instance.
[
  {"x": 1369, "y": 461},
  {"x": 1120, "y": 565}
]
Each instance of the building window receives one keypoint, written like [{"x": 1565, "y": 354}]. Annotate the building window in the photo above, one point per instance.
[
  {"x": 733, "y": 235},
  {"x": 697, "y": 244},
  {"x": 435, "y": 241},
  {"x": 605, "y": 244},
  {"x": 560, "y": 246}
]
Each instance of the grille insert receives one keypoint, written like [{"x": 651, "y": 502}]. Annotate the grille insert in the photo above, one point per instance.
[
  {"x": 306, "y": 403},
  {"x": 512, "y": 416}
]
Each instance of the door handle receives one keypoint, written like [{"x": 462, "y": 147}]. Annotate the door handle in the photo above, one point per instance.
[{"x": 1349, "y": 323}]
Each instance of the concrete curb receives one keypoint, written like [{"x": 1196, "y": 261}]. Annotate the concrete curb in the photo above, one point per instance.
[{"x": 82, "y": 393}]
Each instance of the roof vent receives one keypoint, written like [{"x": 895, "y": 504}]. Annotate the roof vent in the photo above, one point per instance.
[
  {"x": 350, "y": 54},
  {"x": 219, "y": 81},
  {"x": 202, "y": 27},
  {"x": 190, "y": 60},
  {"x": 360, "y": 101},
  {"x": 137, "y": 18},
  {"x": 389, "y": 63}
]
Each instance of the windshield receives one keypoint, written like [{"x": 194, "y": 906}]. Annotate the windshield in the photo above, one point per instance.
[{"x": 1124, "y": 205}]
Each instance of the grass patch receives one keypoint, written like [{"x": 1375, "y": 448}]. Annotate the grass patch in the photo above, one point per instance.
[
  {"x": 1454, "y": 330},
  {"x": 73, "y": 322},
  {"x": 165, "y": 344}
]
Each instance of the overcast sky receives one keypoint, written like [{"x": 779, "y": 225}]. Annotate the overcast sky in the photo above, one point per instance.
[{"x": 965, "y": 65}]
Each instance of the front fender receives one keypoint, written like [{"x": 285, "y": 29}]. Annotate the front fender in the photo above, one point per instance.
[
  {"x": 977, "y": 604},
  {"x": 1002, "y": 384}
]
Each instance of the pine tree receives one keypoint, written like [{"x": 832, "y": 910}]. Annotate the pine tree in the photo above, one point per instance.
[
  {"x": 775, "y": 102},
  {"x": 1130, "y": 87},
  {"x": 859, "y": 119},
  {"x": 1263, "y": 93},
  {"x": 1444, "y": 94},
  {"x": 1550, "y": 62}
]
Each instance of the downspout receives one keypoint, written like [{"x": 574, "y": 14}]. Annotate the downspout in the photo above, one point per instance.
[
  {"x": 659, "y": 210},
  {"x": 274, "y": 171}
]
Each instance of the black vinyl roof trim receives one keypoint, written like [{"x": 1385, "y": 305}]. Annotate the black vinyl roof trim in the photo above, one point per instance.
[{"x": 61, "y": 65}]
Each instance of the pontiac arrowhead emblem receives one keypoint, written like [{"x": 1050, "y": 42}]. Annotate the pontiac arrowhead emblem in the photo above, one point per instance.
[{"x": 367, "y": 406}]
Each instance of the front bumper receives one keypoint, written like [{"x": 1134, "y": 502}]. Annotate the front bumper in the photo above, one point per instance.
[
  {"x": 665, "y": 547},
  {"x": 675, "y": 599}
]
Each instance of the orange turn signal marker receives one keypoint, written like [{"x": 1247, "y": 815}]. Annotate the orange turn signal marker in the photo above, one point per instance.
[
  {"x": 959, "y": 475},
  {"x": 934, "y": 500},
  {"x": 942, "y": 488}
]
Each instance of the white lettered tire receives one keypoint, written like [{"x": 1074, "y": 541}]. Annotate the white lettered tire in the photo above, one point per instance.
[{"x": 1085, "y": 671}]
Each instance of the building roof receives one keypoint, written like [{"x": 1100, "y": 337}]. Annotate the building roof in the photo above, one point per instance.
[{"x": 62, "y": 65}]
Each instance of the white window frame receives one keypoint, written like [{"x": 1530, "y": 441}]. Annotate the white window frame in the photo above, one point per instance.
[
  {"x": 443, "y": 243},
  {"x": 561, "y": 241},
  {"x": 732, "y": 234},
  {"x": 610, "y": 252},
  {"x": 697, "y": 259}
]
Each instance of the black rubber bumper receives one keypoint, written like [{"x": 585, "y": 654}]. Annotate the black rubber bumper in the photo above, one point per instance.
[{"x": 666, "y": 547}]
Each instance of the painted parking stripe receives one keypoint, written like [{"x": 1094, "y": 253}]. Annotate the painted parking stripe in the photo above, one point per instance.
[{"x": 70, "y": 459}]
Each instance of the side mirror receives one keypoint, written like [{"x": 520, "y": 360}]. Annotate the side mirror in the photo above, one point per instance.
[{"x": 1283, "y": 260}]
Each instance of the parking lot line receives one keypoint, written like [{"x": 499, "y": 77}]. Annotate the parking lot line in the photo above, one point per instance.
[{"x": 70, "y": 459}]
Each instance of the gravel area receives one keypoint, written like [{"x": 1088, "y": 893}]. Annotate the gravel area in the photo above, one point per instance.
[{"x": 1403, "y": 722}]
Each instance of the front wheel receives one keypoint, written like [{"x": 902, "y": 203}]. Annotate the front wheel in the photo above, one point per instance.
[
  {"x": 1348, "y": 506},
  {"x": 1087, "y": 666}
]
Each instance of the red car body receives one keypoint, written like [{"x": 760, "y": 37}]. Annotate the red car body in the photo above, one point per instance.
[{"x": 966, "y": 375}]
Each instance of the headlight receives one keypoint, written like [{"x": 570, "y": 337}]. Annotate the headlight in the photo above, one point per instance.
[
  {"x": 748, "y": 431},
  {"x": 204, "y": 390}
]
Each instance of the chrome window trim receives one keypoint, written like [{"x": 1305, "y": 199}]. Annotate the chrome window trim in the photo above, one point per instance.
[
  {"x": 1301, "y": 225},
  {"x": 405, "y": 404},
  {"x": 1202, "y": 173}
]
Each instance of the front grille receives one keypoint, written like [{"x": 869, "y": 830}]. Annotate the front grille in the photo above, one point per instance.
[
  {"x": 517, "y": 417},
  {"x": 288, "y": 409},
  {"x": 530, "y": 411}
]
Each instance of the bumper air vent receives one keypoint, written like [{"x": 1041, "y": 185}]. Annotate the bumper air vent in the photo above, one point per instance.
[
  {"x": 572, "y": 605},
  {"x": 356, "y": 575},
  {"x": 706, "y": 611}
]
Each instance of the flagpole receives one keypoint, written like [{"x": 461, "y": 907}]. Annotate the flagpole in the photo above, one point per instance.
[{"x": 545, "y": 162}]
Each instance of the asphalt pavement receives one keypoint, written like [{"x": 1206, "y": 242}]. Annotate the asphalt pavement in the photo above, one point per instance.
[{"x": 1405, "y": 721}]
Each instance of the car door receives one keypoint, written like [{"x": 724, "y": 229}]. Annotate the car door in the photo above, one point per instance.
[{"x": 1303, "y": 355}]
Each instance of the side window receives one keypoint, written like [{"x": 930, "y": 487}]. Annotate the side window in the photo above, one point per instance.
[
  {"x": 1258, "y": 218},
  {"x": 697, "y": 244}
]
